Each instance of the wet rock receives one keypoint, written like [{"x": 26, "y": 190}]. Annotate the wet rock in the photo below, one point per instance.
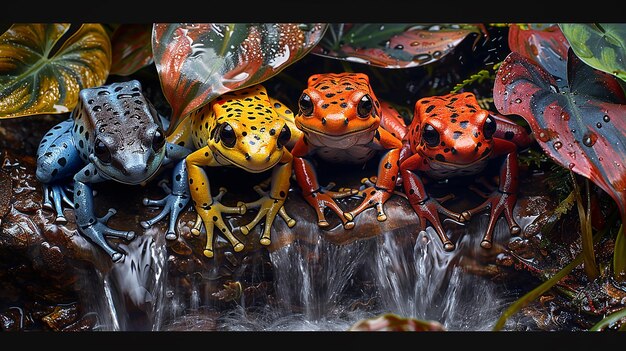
[{"x": 47, "y": 270}]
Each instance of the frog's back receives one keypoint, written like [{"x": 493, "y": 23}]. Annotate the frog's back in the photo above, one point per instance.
[{"x": 115, "y": 108}]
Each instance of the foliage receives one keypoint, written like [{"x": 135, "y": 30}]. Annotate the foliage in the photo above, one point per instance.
[
  {"x": 600, "y": 45},
  {"x": 392, "y": 45},
  {"x": 567, "y": 118},
  {"x": 198, "y": 62},
  {"x": 42, "y": 70}
]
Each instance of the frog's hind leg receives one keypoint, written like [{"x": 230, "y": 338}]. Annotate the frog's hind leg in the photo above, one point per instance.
[{"x": 57, "y": 161}]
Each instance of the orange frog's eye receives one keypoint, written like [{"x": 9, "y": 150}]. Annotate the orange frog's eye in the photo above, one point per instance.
[
  {"x": 364, "y": 108},
  {"x": 102, "y": 151},
  {"x": 430, "y": 135},
  {"x": 284, "y": 136},
  {"x": 305, "y": 104},
  {"x": 227, "y": 135},
  {"x": 489, "y": 128},
  {"x": 158, "y": 140}
]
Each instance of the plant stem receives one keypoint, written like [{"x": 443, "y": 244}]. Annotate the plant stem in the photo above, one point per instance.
[
  {"x": 612, "y": 318},
  {"x": 619, "y": 256},
  {"x": 548, "y": 284},
  {"x": 591, "y": 268}
]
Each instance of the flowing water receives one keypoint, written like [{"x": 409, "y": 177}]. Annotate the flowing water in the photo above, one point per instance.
[
  {"x": 127, "y": 297},
  {"x": 317, "y": 285}
]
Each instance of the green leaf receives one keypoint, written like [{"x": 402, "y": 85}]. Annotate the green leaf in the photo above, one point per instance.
[
  {"x": 36, "y": 80},
  {"x": 198, "y": 62},
  {"x": 132, "y": 48},
  {"x": 600, "y": 45}
]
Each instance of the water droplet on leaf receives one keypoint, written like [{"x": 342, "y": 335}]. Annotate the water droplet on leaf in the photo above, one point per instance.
[{"x": 589, "y": 139}]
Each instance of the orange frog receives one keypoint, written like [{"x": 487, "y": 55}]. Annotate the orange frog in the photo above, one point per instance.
[
  {"x": 452, "y": 136},
  {"x": 342, "y": 121}
]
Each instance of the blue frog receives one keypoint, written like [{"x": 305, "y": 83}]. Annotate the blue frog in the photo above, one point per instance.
[{"x": 113, "y": 133}]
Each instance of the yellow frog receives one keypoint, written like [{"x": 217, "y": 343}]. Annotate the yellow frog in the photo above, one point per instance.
[{"x": 247, "y": 129}]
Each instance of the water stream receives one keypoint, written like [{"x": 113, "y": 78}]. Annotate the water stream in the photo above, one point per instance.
[{"x": 317, "y": 285}]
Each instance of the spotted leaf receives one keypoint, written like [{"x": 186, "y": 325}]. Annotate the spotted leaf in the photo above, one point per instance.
[
  {"x": 392, "y": 322},
  {"x": 198, "y": 62},
  {"x": 132, "y": 48},
  {"x": 600, "y": 45},
  {"x": 580, "y": 124},
  {"x": 37, "y": 78},
  {"x": 391, "y": 45},
  {"x": 544, "y": 44}
]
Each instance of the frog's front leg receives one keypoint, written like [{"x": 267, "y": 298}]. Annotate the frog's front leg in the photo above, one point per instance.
[
  {"x": 208, "y": 208},
  {"x": 505, "y": 197},
  {"x": 317, "y": 196},
  {"x": 57, "y": 161},
  {"x": 426, "y": 208},
  {"x": 178, "y": 197},
  {"x": 388, "y": 168},
  {"x": 88, "y": 224},
  {"x": 272, "y": 202}
]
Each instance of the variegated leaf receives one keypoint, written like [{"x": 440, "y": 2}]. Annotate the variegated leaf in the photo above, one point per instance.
[
  {"x": 34, "y": 79},
  {"x": 391, "y": 45},
  {"x": 543, "y": 43},
  {"x": 200, "y": 61},
  {"x": 580, "y": 124}
]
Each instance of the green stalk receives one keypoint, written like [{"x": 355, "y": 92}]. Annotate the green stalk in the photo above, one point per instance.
[
  {"x": 612, "y": 318},
  {"x": 619, "y": 256},
  {"x": 346, "y": 66},
  {"x": 591, "y": 268},
  {"x": 548, "y": 284}
]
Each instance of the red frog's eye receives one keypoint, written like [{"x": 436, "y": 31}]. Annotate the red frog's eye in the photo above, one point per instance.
[
  {"x": 430, "y": 135},
  {"x": 305, "y": 104},
  {"x": 489, "y": 128},
  {"x": 364, "y": 108}
]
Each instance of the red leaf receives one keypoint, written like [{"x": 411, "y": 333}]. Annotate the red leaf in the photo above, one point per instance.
[
  {"x": 198, "y": 62},
  {"x": 581, "y": 124},
  {"x": 545, "y": 45},
  {"x": 132, "y": 48}
]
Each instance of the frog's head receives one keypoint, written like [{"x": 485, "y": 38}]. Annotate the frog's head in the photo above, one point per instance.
[
  {"x": 247, "y": 132},
  {"x": 128, "y": 142},
  {"x": 453, "y": 129},
  {"x": 338, "y": 105}
]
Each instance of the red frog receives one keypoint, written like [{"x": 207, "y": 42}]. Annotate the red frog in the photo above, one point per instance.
[
  {"x": 453, "y": 136},
  {"x": 342, "y": 121}
]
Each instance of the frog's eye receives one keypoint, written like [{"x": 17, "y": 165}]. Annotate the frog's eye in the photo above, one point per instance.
[
  {"x": 227, "y": 135},
  {"x": 284, "y": 136},
  {"x": 489, "y": 128},
  {"x": 102, "y": 151},
  {"x": 158, "y": 140},
  {"x": 305, "y": 104},
  {"x": 364, "y": 108},
  {"x": 430, "y": 135}
]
